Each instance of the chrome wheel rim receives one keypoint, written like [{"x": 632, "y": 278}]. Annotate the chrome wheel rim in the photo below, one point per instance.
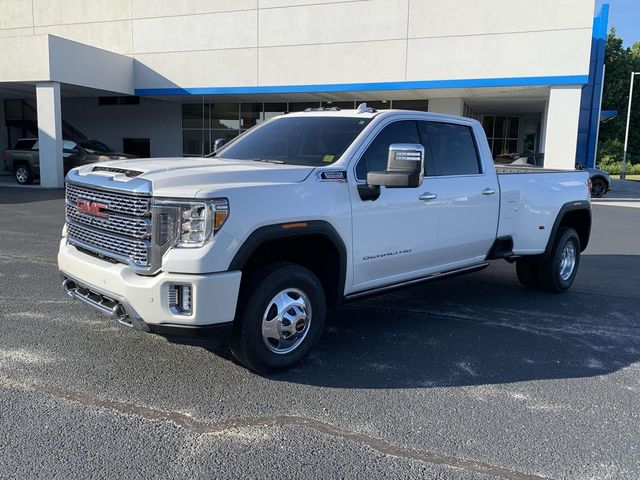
[
  {"x": 568, "y": 261},
  {"x": 286, "y": 321},
  {"x": 21, "y": 174}
]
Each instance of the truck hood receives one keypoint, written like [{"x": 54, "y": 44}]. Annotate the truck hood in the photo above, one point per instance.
[{"x": 194, "y": 177}]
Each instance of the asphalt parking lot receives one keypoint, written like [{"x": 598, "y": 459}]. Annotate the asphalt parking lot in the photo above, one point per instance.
[{"x": 471, "y": 377}]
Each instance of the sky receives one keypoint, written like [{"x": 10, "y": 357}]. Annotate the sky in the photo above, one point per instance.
[{"x": 625, "y": 16}]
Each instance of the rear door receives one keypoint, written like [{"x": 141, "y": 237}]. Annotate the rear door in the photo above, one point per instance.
[{"x": 465, "y": 193}]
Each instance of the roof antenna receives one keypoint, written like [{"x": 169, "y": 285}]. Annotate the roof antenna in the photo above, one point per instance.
[{"x": 362, "y": 108}]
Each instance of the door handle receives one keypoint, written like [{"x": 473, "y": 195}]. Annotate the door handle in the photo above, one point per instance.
[
  {"x": 428, "y": 196},
  {"x": 488, "y": 191}
]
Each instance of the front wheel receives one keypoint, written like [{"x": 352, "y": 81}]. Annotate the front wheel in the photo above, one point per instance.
[
  {"x": 280, "y": 317},
  {"x": 23, "y": 174}
]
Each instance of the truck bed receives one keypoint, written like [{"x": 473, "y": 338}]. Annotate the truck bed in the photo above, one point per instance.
[
  {"x": 506, "y": 169},
  {"x": 530, "y": 200}
]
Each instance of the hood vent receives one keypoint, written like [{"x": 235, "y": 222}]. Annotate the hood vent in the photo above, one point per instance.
[{"x": 124, "y": 171}]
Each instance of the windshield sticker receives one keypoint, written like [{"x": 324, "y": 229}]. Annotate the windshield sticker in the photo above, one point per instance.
[{"x": 327, "y": 158}]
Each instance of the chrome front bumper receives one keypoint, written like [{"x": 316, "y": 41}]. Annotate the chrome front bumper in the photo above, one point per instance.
[
  {"x": 116, "y": 308},
  {"x": 143, "y": 301}
]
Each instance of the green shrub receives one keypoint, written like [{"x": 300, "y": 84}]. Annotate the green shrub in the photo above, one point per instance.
[
  {"x": 610, "y": 150},
  {"x": 615, "y": 167}
]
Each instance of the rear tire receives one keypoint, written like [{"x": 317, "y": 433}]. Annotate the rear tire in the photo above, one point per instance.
[
  {"x": 528, "y": 273},
  {"x": 598, "y": 187},
  {"x": 559, "y": 269},
  {"x": 23, "y": 174},
  {"x": 280, "y": 317}
]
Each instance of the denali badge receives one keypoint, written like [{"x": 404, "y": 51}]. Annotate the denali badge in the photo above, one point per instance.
[
  {"x": 338, "y": 175},
  {"x": 92, "y": 208}
]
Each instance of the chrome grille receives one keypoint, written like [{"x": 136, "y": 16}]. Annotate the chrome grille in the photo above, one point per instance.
[
  {"x": 117, "y": 202},
  {"x": 131, "y": 226},
  {"x": 121, "y": 229},
  {"x": 119, "y": 247}
]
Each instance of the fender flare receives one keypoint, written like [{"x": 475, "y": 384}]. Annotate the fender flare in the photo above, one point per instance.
[
  {"x": 298, "y": 229},
  {"x": 568, "y": 207}
]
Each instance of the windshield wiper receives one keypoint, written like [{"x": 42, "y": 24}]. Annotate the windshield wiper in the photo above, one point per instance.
[{"x": 268, "y": 160}]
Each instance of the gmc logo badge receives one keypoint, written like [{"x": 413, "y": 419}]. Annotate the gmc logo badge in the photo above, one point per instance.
[{"x": 92, "y": 208}]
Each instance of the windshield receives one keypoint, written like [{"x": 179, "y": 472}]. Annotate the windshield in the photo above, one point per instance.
[
  {"x": 95, "y": 146},
  {"x": 312, "y": 141}
]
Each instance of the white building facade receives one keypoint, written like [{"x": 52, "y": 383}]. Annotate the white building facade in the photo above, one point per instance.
[{"x": 166, "y": 78}]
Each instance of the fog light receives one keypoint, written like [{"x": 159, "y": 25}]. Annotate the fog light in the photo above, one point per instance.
[{"x": 180, "y": 299}]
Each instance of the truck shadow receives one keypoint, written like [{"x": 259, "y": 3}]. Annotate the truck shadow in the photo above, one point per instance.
[{"x": 481, "y": 329}]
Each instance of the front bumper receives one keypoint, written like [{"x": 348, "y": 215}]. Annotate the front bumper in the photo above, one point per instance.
[{"x": 143, "y": 301}]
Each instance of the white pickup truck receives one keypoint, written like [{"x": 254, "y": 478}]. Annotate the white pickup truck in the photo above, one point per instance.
[{"x": 304, "y": 212}]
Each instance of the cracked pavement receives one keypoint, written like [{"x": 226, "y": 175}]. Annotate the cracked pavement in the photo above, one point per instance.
[{"x": 467, "y": 378}]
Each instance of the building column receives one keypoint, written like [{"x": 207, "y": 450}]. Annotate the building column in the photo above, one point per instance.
[
  {"x": 543, "y": 127},
  {"x": 450, "y": 105},
  {"x": 561, "y": 127},
  {"x": 49, "y": 134}
]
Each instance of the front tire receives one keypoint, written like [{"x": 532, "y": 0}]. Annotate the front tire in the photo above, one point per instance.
[
  {"x": 23, "y": 174},
  {"x": 280, "y": 317},
  {"x": 559, "y": 269}
]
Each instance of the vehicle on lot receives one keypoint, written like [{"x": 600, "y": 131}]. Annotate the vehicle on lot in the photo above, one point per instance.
[
  {"x": 600, "y": 180},
  {"x": 530, "y": 159},
  {"x": 23, "y": 161},
  {"x": 306, "y": 211}
]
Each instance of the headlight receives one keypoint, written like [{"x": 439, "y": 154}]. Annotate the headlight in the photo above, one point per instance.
[
  {"x": 197, "y": 221},
  {"x": 200, "y": 220}
]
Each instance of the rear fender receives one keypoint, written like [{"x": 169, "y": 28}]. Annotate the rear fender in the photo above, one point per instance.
[{"x": 576, "y": 215}]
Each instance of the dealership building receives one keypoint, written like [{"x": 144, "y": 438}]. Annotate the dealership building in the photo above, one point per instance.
[{"x": 167, "y": 78}]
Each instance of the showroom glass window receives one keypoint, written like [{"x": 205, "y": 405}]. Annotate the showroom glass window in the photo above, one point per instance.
[
  {"x": 195, "y": 129},
  {"x": 203, "y": 122},
  {"x": 502, "y": 133}
]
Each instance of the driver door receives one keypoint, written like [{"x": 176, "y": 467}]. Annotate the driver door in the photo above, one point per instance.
[{"x": 395, "y": 237}]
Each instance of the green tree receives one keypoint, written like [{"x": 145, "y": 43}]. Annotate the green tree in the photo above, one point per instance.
[{"x": 620, "y": 62}]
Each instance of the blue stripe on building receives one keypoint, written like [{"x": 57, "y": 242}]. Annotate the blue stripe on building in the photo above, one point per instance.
[
  {"x": 375, "y": 86},
  {"x": 592, "y": 93}
]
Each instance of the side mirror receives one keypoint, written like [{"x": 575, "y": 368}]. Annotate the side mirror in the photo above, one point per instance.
[
  {"x": 405, "y": 167},
  {"x": 217, "y": 145}
]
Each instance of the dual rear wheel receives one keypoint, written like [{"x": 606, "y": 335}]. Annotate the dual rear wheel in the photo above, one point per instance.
[{"x": 556, "y": 271}]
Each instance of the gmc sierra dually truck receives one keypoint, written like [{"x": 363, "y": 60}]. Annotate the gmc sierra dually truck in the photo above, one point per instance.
[{"x": 303, "y": 212}]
